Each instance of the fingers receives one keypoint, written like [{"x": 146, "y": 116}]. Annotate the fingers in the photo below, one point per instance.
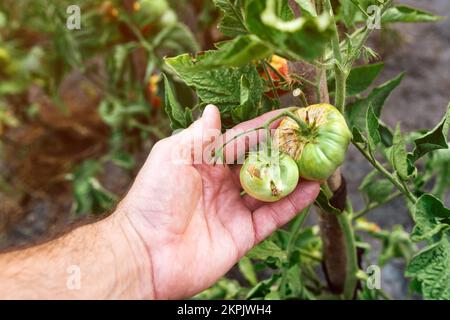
[
  {"x": 251, "y": 203},
  {"x": 211, "y": 118},
  {"x": 208, "y": 127},
  {"x": 270, "y": 217}
]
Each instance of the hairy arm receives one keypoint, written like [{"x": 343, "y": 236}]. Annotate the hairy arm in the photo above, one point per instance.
[
  {"x": 97, "y": 261},
  {"x": 181, "y": 227}
]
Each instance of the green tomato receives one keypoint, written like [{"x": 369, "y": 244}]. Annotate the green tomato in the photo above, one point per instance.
[
  {"x": 320, "y": 148},
  {"x": 269, "y": 178},
  {"x": 154, "y": 7},
  {"x": 168, "y": 19}
]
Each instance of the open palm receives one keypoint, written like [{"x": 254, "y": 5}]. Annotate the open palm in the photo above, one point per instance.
[{"x": 192, "y": 218}]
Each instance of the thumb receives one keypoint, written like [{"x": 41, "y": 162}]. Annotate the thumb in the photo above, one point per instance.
[
  {"x": 197, "y": 140},
  {"x": 211, "y": 118},
  {"x": 208, "y": 127}
]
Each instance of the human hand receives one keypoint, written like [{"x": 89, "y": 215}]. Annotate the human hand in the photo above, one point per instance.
[{"x": 191, "y": 217}]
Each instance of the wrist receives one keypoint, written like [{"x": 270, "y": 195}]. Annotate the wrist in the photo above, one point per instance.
[{"x": 133, "y": 268}]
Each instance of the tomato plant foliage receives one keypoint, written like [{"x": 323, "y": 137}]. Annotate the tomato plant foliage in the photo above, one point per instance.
[
  {"x": 331, "y": 37},
  {"x": 140, "y": 58}
]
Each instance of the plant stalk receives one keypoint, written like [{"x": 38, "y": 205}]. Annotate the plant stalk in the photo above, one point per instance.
[
  {"x": 352, "y": 268},
  {"x": 395, "y": 181}
]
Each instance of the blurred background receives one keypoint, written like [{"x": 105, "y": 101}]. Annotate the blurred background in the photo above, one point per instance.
[{"x": 81, "y": 109}]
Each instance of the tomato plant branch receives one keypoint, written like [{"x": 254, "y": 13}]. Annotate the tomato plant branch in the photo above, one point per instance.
[
  {"x": 339, "y": 70},
  {"x": 358, "y": 5},
  {"x": 302, "y": 124},
  {"x": 272, "y": 84},
  {"x": 295, "y": 230},
  {"x": 219, "y": 152},
  {"x": 344, "y": 219},
  {"x": 394, "y": 180},
  {"x": 335, "y": 38},
  {"x": 352, "y": 259},
  {"x": 267, "y": 64},
  {"x": 376, "y": 205},
  {"x": 366, "y": 33},
  {"x": 266, "y": 127},
  {"x": 310, "y": 255},
  {"x": 150, "y": 129}
]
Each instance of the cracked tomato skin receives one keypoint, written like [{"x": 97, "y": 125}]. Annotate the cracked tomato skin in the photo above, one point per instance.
[
  {"x": 320, "y": 149},
  {"x": 269, "y": 179}
]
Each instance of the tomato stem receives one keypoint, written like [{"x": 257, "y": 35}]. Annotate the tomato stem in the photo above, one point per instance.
[
  {"x": 268, "y": 140},
  {"x": 401, "y": 186},
  {"x": 272, "y": 84},
  {"x": 351, "y": 258},
  {"x": 278, "y": 73},
  {"x": 219, "y": 152}
]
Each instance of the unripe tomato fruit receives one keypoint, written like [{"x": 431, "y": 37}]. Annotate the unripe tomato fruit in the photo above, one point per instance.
[
  {"x": 269, "y": 178},
  {"x": 147, "y": 13},
  {"x": 154, "y": 8},
  {"x": 168, "y": 19},
  {"x": 321, "y": 148}
]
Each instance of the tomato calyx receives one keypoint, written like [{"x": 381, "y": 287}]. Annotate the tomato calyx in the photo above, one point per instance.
[{"x": 318, "y": 142}]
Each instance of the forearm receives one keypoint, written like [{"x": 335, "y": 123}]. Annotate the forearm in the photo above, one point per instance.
[{"x": 98, "y": 261}]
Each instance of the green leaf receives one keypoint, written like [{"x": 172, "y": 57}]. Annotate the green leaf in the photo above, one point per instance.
[
  {"x": 90, "y": 196},
  {"x": 263, "y": 288},
  {"x": 434, "y": 140},
  {"x": 348, "y": 12},
  {"x": 294, "y": 281},
  {"x": 123, "y": 160},
  {"x": 439, "y": 163},
  {"x": 323, "y": 203},
  {"x": 236, "y": 53},
  {"x": 308, "y": 7},
  {"x": 430, "y": 216},
  {"x": 267, "y": 249},
  {"x": 232, "y": 23},
  {"x": 431, "y": 267},
  {"x": 372, "y": 125},
  {"x": 387, "y": 137},
  {"x": 111, "y": 112},
  {"x": 403, "y": 13},
  {"x": 177, "y": 38},
  {"x": 179, "y": 118},
  {"x": 67, "y": 47},
  {"x": 221, "y": 86},
  {"x": 374, "y": 189},
  {"x": 361, "y": 77},
  {"x": 247, "y": 109},
  {"x": 248, "y": 271},
  {"x": 357, "y": 111},
  {"x": 399, "y": 155},
  {"x": 358, "y": 136},
  {"x": 397, "y": 244},
  {"x": 274, "y": 22},
  {"x": 224, "y": 289}
]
